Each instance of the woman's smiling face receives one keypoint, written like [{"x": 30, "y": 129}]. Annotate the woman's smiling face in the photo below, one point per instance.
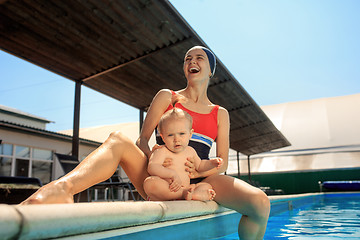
[{"x": 196, "y": 64}]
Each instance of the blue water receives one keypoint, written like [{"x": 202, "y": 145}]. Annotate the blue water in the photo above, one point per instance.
[{"x": 334, "y": 216}]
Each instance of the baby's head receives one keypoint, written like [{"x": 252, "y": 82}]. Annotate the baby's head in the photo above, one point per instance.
[
  {"x": 172, "y": 115},
  {"x": 175, "y": 128}
]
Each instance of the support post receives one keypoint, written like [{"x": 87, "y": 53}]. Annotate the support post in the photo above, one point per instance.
[
  {"x": 141, "y": 119},
  {"x": 76, "y": 125},
  {"x": 238, "y": 162},
  {"x": 249, "y": 171}
]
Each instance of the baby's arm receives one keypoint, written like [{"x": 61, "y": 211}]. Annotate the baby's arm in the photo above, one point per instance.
[
  {"x": 207, "y": 165},
  {"x": 156, "y": 168}
]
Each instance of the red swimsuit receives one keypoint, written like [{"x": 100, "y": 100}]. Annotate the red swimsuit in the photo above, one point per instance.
[{"x": 205, "y": 129}]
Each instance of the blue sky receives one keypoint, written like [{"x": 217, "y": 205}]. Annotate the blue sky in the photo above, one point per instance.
[{"x": 279, "y": 50}]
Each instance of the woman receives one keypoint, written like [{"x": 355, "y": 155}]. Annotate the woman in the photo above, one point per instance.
[{"x": 199, "y": 66}]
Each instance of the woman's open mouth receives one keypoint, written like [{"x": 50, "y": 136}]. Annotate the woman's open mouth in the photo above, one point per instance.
[{"x": 194, "y": 70}]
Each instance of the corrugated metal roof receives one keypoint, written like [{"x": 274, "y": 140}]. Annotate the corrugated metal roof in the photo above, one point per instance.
[
  {"x": 128, "y": 50},
  {"x": 17, "y": 112}
]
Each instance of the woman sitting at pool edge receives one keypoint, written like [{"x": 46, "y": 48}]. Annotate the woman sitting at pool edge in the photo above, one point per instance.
[{"x": 209, "y": 120}]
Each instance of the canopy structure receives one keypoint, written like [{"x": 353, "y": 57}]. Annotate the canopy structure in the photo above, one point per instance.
[
  {"x": 127, "y": 50},
  {"x": 333, "y": 124}
]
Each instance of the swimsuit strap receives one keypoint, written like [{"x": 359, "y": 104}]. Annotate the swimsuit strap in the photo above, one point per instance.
[{"x": 214, "y": 111}]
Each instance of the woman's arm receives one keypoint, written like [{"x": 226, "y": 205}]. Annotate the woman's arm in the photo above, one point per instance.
[
  {"x": 157, "y": 107},
  {"x": 222, "y": 144},
  {"x": 222, "y": 140}
]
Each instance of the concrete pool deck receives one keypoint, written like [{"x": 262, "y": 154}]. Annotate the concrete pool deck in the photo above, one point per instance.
[{"x": 110, "y": 219}]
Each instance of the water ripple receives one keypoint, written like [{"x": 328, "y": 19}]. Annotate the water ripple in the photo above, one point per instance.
[{"x": 331, "y": 218}]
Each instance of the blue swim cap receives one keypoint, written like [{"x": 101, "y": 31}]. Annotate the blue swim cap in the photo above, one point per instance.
[{"x": 212, "y": 59}]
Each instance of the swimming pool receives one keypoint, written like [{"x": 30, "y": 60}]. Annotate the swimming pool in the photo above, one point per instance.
[{"x": 329, "y": 216}]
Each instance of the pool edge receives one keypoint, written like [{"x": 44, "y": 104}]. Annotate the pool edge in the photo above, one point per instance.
[{"x": 74, "y": 221}]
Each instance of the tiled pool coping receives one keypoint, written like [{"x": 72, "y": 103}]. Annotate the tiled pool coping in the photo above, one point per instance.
[{"x": 132, "y": 220}]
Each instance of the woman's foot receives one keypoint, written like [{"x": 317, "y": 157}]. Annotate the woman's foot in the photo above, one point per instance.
[{"x": 54, "y": 192}]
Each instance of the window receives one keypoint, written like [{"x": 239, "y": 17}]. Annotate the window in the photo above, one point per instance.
[
  {"x": 26, "y": 162},
  {"x": 6, "y": 152},
  {"x": 42, "y": 164},
  {"x": 5, "y": 166},
  {"x": 22, "y": 168},
  {"x": 41, "y": 154},
  {"x": 42, "y": 170},
  {"x": 6, "y": 149},
  {"x": 23, "y": 152}
]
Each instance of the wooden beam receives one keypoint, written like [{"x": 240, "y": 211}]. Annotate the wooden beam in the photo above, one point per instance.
[{"x": 145, "y": 55}]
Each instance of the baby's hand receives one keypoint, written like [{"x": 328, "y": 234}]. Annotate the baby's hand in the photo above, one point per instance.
[
  {"x": 175, "y": 184},
  {"x": 218, "y": 162}
]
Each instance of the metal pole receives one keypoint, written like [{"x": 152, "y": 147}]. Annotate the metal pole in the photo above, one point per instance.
[
  {"x": 249, "y": 174},
  {"x": 238, "y": 163},
  {"x": 76, "y": 126},
  {"x": 141, "y": 119}
]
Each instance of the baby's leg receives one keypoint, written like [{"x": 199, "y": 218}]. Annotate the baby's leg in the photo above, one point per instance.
[
  {"x": 157, "y": 189},
  {"x": 203, "y": 192}
]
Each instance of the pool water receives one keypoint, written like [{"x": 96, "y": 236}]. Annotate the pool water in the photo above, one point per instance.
[{"x": 333, "y": 216}]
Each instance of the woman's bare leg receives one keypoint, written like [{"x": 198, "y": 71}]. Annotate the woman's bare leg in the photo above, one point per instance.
[
  {"x": 251, "y": 202},
  {"x": 97, "y": 167}
]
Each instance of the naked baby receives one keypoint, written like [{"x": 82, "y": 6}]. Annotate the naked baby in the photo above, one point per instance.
[{"x": 173, "y": 182}]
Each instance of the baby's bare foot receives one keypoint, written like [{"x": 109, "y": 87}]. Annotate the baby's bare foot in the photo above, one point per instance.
[
  {"x": 54, "y": 192},
  {"x": 202, "y": 194},
  {"x": 212, "y": 194},
  {"x": 189, "y": 193}
]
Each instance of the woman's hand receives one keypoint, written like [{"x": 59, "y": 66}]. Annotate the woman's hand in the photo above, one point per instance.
[
  {"x": 190, "y": 168},
  {"x": 156, "y": 146},
  {"x": 167, "y": 162}
]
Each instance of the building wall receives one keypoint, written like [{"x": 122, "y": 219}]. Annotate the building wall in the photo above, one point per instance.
[
  {"x": 301, "y": 181},
  {"x": 59, "y": 146},
  {"x": 299, "y": 173},
  {"x": 56, "y": 145},
  {"x": 304, "y": 162}
]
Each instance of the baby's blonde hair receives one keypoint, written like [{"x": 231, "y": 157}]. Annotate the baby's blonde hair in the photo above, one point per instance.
[{"x": 174, "y": 114}]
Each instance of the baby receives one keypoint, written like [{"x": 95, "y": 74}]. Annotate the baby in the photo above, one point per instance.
[{"x": 173, "y": 182}]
